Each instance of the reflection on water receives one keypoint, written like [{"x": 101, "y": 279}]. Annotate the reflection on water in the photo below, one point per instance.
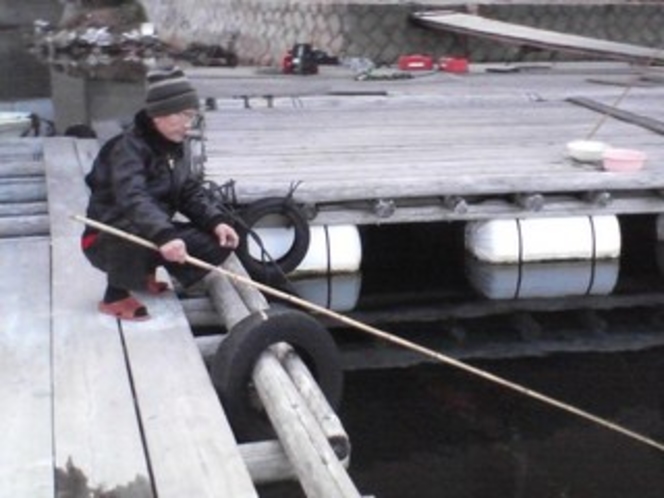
[
  {"x": 547, "y": 279},
  {"x": 431, "y": 432}
]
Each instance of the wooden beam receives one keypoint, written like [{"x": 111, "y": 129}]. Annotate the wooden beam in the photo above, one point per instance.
[
  {"x": 96, "y": 432},
  {"x": 506, "y": 32},
  {"x": 192, "y": 449},
  {"x": 26, "y": 394}
]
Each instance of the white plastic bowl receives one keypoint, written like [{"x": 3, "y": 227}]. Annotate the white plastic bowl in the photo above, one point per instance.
[
  {"x": 623, "y": 159},
  {"x": 586, "y": 151}
]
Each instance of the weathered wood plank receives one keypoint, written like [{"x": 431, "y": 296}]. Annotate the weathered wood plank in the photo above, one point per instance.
[
  {"x": 96, "y": 428},
  {"x": 24, "y": 226},
  {"x": 22, "y": 190},
  {"x": 524, "y": 35},
  {"x": 26, "y": 452},
  {"x": 21, "y": 168},
  {"x": 192, "y": 449}
]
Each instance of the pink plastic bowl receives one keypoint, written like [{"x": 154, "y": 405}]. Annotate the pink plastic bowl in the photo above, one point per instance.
[{"x": 623, "y": 159}]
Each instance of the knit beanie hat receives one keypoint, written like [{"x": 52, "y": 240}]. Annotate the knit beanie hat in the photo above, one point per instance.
[{"x": 169, "y": 92}]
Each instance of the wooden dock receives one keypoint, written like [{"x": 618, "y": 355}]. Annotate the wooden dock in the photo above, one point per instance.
[
  {"x": 488, "y": 139},
  {"x": 91, "y": 403}
]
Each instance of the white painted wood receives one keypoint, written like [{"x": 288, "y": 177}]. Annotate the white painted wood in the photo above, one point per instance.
[
  {"x": 192, "y": 449},
  {"x": 26, "y": 452},
  {"x": 95, "y": 424}
]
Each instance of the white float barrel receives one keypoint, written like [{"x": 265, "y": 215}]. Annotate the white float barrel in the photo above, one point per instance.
[
  {"x": 332, "y": 249},
  {"x": 544, "y": 239},
  {"x": 337, "y": 292}
]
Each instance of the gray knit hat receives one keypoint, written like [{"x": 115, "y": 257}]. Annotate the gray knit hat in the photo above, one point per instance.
[{"x": 169, "y": 92}]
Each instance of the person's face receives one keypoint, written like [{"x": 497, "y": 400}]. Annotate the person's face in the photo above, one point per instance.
[{"x": 175, "y": 126}]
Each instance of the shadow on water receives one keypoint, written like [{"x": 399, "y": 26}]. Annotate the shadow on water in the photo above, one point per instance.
[{"x": 424, "y": 430}]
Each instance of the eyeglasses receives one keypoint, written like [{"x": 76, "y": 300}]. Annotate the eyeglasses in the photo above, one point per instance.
[{"x": 188, "y": 115}]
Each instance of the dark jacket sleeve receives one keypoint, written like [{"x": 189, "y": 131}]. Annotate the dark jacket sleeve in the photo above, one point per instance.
[
  {"x": 199, "y": 207},
  {"x": 135, "y": 198}
]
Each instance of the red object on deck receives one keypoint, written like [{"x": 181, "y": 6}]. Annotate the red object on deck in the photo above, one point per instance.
[
  {"x": 415, "y": 62},
  {"x": 453, "y": 64},
  {"x": 287, "y": 63}
]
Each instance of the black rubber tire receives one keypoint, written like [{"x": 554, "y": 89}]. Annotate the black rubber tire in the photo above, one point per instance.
[
  {"x": 234, "y": 361},
  {"x": 266, "y": 271}
]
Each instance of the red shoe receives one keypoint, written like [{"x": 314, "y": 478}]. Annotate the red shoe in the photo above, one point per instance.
[{"x": 128, "y": 308}]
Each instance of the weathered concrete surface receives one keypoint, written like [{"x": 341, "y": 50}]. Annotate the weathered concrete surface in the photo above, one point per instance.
[{"x": 264, "y": 30}]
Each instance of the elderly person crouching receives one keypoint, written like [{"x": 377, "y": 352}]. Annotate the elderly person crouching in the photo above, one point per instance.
[{"x": 138, "y": 182}]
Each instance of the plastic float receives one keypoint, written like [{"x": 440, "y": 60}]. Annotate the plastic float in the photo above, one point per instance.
[
  {"x": 544, "y": 239},
  {"x": 549, "y": 279},
  {"x": 332, "y": 249},
  {"x": 339, "y": 292}
]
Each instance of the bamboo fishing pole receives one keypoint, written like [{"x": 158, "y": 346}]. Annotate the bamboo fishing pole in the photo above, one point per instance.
[{"x": 440, "y": 357}]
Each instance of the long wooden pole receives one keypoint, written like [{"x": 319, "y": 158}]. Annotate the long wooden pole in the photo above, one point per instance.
[{"x": 448, "y": 360}]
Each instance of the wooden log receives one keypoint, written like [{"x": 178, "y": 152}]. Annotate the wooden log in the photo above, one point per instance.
[
  {"x": 253, "y": 298},
  {"x": 317, "y": 467},
  {"x": 267, "y": 462},
  {"x": 226, "y": 300},
  {"x": 315, "y": 400}
]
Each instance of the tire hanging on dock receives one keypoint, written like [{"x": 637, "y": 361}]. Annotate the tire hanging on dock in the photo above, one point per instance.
[
  {"x": 269, "y": 270},
  {"x": 234, "y": 361}
]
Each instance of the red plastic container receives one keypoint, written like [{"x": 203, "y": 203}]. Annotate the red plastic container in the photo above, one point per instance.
[
  {"x": 453, "y": 64},
  {"x": 415, "y": 62}
]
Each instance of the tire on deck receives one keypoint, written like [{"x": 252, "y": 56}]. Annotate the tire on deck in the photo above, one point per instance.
[
  {"x": 271, "y": 271},
  {"x": 234, "y": 361}
]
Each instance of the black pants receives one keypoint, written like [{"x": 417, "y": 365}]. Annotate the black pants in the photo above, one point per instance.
[{"x": 127, "y": 265}]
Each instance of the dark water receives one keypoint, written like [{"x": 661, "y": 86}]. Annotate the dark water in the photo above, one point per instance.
[
  {"x": 430, "y": 431},
  {"x": 23, "y": 76}
]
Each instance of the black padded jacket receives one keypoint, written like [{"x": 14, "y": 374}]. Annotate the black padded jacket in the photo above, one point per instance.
[{"x": 139, "y": 180}]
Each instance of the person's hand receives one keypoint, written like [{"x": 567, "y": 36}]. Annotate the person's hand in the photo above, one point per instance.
[
  {"x": 174, "y": 250},
  {"x": 227, "y": 236}
]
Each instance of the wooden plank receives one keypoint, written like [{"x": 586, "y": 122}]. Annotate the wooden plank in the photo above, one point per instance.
[
  {"x": 97, "y": 434},
  {"x": 26, "y": 452},
  {"x": 524, "y": 35},
  {"x": 646, "y": 122},
  {"x": 192, "y": 449},
  {"x": 24, "y": 226}
]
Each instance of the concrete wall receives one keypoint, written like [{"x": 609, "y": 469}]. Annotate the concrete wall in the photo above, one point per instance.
[
  {"x": 379, "y": 29},
  {"x": 24, "y": 12}
]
